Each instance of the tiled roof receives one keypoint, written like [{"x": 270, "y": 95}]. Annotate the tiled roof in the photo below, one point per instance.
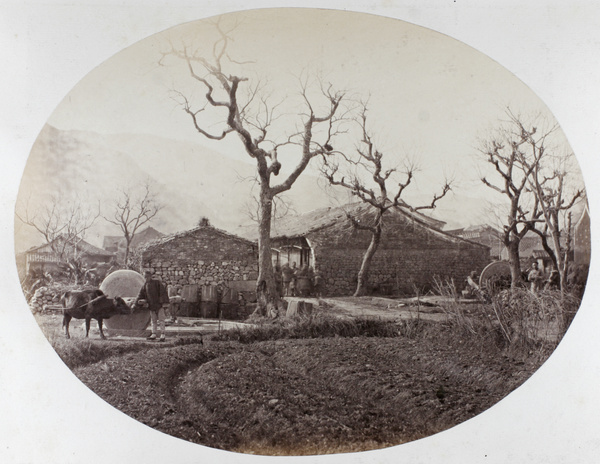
[{"x": 82, "y": 245}]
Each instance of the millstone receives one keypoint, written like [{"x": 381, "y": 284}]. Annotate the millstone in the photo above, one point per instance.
[{"x": 126, "y": 284}]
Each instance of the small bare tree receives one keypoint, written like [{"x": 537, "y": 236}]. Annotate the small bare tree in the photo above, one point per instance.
[
  {"x": 63, "y": 224},
  {"x": 133, "y": 208},
  {"x": 231, "y": 104},
  {"x": 367, "y": 179}
]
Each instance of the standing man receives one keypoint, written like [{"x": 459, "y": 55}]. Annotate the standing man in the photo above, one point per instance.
[
  {"x": 286, "y": 278},
  {"x": 535, "y": 277},
  {"x": 175, "y": 300},
  {"x": 278, "y": 280},
  {"x": 294, "y": 280},
  {"x": 157, "y": 299}
]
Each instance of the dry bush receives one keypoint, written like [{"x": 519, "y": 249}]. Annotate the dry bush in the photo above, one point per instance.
[
  {"x": 518, "y": 320},
  {"x": 472, "y": 320},
  {"x": 532, "y": 321}
]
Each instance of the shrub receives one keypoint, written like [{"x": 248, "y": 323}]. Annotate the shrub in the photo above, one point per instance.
[
  {"x": 517, "y": 319},
  {"x": 317, "y": 326},
  {"x": 529, "y": 320}
]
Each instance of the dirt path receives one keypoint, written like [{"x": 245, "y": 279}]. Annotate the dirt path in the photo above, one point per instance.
[
  {"x": 379, "y": 307},
  {"x": 384, "y": 308}
]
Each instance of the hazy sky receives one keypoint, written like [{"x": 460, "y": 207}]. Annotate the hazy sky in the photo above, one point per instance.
[{"x": 430, "y": 96}]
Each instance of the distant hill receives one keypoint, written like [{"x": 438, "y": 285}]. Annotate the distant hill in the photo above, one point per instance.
[{"x": 192, "y": 181}]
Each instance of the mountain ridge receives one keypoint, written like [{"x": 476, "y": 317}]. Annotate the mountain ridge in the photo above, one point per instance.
[{"x": 192, "y": 181}]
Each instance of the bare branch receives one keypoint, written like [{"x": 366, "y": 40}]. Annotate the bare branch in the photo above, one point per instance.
[
  {"x": 133, "y": 208},
  {"x": 61, "y": 222}
]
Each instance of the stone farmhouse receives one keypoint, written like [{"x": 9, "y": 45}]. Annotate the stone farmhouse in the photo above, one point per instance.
[
  {"x": 582, "y": 239},
  {"x": 413, "y": 250},
  {"x": 204, "y": 255},
  {"x": 202, "y": 261},
  {"x": 483, "y": 234},
  {"x": 530, "y": 247}
]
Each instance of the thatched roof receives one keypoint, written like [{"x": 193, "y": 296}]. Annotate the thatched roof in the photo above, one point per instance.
[{"x": 301, "y": 225}]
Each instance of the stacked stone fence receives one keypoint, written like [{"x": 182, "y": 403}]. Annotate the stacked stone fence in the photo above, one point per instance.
[{"x": 43, "y": 298}]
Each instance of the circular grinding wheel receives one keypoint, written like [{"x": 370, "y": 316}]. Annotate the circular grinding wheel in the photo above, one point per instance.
[{"x": 126, "y": 284}]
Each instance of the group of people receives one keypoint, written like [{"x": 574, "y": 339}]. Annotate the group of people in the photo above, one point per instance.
[
  {"x": 154, "y": 295},
  {"x": 294, "y": 281},
  {"x": 538, "y": 280}
]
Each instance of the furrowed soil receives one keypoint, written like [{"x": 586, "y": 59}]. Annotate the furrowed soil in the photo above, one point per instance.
[{"x": 307, "y": 396}]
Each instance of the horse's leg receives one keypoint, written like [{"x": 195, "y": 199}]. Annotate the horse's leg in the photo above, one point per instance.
[{"x": 87, "y": 326}]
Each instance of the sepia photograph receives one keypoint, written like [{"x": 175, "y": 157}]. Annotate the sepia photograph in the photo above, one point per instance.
[{"x": 299, "y": 232}]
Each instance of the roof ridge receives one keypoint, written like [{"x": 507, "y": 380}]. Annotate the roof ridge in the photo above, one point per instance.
[{"x": 169, "y": 237}]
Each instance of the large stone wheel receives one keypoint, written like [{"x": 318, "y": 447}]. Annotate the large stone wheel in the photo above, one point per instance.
[
  {"x": 495, "y": 277},
  {"x": 126, "y": 284}
]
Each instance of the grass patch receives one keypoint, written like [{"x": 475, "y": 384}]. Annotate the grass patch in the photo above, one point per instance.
[
  {"x": 317, "y": 326},
  {"x": 77, "y": 352}
]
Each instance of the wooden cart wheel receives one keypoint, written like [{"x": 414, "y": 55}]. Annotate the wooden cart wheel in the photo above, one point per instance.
[{"x": 495, "y": 277}]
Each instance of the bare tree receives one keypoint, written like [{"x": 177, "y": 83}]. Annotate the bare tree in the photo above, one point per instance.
[
  {"x": 504, "y": 153},
  {"x": 246, "y": 110},
  {"x": 548, "y": 181},
  {"x": 526, "y": 174},
  {"x": 133, "y": 208},
  {"x": 63, "y": 224},
  {"x": 367, "y": 179}
]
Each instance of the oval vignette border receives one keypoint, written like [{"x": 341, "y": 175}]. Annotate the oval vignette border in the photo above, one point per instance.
[{"x": 589, "y": 185}]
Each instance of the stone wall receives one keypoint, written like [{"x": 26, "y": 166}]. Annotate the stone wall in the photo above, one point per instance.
[
  {"x": 202, "y": 256},
  {"x": 409, "y": 258},
  {"x": 43, "y": 298},
  {"x": 399, "y": 271}
]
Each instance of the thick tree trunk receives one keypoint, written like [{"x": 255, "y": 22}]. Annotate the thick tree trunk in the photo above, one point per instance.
[
  {"x": 515, "y": 263},
  {"x": 268, "y": 299},
  {"x": 363, "y": 274}
]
